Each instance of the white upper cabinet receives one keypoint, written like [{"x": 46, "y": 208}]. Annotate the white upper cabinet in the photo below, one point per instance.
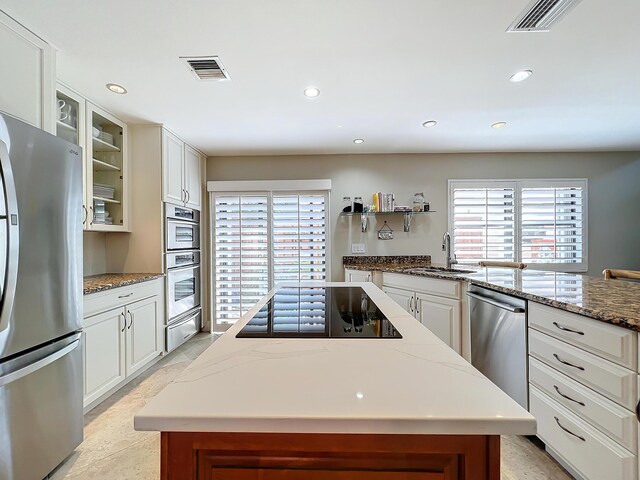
[
  {"x": 193, "y": 177},
  {"x": 27, "y": 82},
  {"x": 172, "y": 168},
  {"x": 181, "y": 172}
]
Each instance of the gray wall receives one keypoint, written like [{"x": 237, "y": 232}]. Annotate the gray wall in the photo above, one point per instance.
[{"x": 613, "y": 202}]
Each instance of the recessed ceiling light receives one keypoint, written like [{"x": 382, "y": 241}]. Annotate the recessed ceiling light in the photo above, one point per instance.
[
  {"x": 311, "y": 92},
  {"x": 521, "y": 75},
  {"x": 499, "y": 125},
  {"x": 358, "y": 140},
  {"x": 115, "y": 88},
  {"x": 430, "y": 123}
]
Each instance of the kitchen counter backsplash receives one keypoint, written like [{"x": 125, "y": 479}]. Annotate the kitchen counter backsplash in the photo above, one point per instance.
[
  {"x": 107, "y": 281},
  {"x": 611, "y": 301},
  {"x": 374, "y": 262}
]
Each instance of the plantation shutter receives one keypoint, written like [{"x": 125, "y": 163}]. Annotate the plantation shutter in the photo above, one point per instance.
[
  {"x": 241, "y": 254},
  {"x": 299, "y": 227},
  {"x": 553, "y": 223},
  {"x": 483, "y": 222}
]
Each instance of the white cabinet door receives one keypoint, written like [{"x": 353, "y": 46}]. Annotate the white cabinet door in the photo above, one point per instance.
[
  {"x": 193, "y": 177},
  {"x": 403, "y": 298},
  {"x": 172, "y": 168},
  {"x": 441, "y": 316},
  {"x": 27, "y": 83},
  {"x": 357, "y": 276},
  {"x": 143, "y": 339},
  {"x": 104, "y": 353}
]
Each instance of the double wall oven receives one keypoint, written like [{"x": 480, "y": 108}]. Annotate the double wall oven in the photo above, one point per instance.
[{"x": 182, "y": 264}]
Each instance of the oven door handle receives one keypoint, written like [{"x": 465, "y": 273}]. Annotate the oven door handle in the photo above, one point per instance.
[
  {"x": 182, "y": 269},
  {"x": 496, "y": 303}
]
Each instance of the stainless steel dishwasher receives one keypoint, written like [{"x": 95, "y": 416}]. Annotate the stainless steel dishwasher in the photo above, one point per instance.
[{"x": 499, "y": 340}]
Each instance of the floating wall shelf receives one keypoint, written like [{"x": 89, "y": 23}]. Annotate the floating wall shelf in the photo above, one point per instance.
[{"x": 364, "y": 217}]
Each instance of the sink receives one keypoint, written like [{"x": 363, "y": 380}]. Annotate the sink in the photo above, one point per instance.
[{"x": 436, "y": 270}]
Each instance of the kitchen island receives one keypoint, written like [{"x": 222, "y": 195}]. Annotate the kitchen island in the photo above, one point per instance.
[{"x": 339, "y": 408}]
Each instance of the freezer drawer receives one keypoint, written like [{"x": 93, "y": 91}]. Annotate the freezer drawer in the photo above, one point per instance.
[
  {"x": 182, "y": 329},
  {"x": 40, "y": 409}
]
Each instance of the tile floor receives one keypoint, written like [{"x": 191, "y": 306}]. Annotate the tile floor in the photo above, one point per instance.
[{"x": 113, "y": 449}]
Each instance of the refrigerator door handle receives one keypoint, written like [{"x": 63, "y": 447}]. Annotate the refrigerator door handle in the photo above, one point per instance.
[
  {"x": 10, "y": 279},
  {"x": 43, "y": 362}
]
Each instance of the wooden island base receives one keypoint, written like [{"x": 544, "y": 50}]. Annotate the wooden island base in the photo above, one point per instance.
[{"x": 278, "y": 456}]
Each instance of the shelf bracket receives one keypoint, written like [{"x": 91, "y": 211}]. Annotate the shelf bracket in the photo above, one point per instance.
[
  {"x": 364, "y": 221},
  {"x": 407, "y": 221}
]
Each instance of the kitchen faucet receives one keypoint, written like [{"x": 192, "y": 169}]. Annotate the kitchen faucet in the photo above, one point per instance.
[{"x": 446, "y": 247}]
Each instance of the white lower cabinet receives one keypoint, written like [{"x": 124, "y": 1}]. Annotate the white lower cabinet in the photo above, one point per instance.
[
  {"x": 579, "y": 445},
  {"x": 120, "y": 337},
  {"x": 435, "y": 303},
  {"x": 583, "y": 391},
  {"x": 104, "y": 353},
  {"x": 441, "y": 316}
]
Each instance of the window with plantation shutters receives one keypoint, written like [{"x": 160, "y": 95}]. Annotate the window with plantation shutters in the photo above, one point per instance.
[
  {"x": 484, "y": 222},
  {"x": 264, "y": 238},
  {"x": 553, "y": 223},
  {"x": 241, "y": 253},
  {"x": 299, "y": 234},
  {"x": 541, "y": 222}
]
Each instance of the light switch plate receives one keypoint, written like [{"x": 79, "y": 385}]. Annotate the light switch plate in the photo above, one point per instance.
[{"x": 357, "y": 248}]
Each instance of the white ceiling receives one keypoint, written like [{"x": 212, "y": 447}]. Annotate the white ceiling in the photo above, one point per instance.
[{"x": 383, "y": 68}]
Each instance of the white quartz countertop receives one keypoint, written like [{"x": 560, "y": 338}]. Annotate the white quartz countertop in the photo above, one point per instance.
[{"x": 412, "y": 385}]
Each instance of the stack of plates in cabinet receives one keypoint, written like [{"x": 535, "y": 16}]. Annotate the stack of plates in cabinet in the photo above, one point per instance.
[
  {"x": 101, "y": 214},
  {"x": 104, "y": 191}
]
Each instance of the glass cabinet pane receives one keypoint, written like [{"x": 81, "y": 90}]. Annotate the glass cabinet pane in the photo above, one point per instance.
[
  {"x": 107, "y": 163},
  {"x": 67, "y": 110}
]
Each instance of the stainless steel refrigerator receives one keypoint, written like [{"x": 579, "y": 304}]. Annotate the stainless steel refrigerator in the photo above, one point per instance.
[{"x": 41, "y": 300}]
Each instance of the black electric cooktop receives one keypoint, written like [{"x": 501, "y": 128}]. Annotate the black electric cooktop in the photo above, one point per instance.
[{"x": 319, "y": 312}]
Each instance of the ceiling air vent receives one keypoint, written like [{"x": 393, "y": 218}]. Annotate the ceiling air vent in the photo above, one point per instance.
[
  {"x": 540, "y": 15},
  {"x": 206, "y": 68}
]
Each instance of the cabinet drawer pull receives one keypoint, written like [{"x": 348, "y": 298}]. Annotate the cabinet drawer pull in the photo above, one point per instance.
[
  {"x": 567, "y": 363},
  {"x": 566, "y": 329},
  {"x": 568, "y": 431},
  {"x": 567, "y": 397},
  {"x": 125, "y": 296}
]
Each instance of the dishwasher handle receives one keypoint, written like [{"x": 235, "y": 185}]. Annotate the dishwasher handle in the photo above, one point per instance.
[{"x": 496, "y": 303}]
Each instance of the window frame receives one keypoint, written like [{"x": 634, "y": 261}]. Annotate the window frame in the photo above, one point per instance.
[
  {"x": 518, "y": 185},
  {"x": 268, "y": 188}
]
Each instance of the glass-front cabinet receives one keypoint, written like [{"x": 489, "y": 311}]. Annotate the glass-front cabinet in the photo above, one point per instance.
[
  {"x": 103, "y": 139},
  {"x": 71, "y": 126},
  {"x": 107, "y": 183}
]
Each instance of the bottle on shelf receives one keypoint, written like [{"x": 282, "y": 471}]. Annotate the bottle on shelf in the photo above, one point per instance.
[
  {"x": 358, "y": 205},
  {"x": 346, "y": 204},
  {"x": 418, "y": 202}
]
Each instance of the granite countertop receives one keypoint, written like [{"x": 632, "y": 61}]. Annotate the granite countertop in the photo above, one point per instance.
[
  {"x": 612, "y": 301},
  {"x": 335, "y": 385},
  {"x": 107, "y": 281}
]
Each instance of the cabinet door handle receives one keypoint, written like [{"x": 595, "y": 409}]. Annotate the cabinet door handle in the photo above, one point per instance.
[
  {"x": 411, "y": 303},
  {"x": 130, "y": 319},
  {"x": 124, "y": 321},
  {"x": 568, "y": 431},
  {"x": 567, "y": 329},
  {"x": 567, "y": 397},
  {"x": 93, "y": 215},
  {"x": 188, "y": 196},
  {"x": 86, "y": 215},
  {"x": 567, "y": 363}
]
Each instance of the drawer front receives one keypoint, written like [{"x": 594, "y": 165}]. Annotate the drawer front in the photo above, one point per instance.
[
  {"x": 611, "y": 380},
  {"x": 434, "y": 286},
  {"x": 182, "y": 330},
  {"x": 118, "y": 297},
  {"x": 594, "y": 455},
  {"x": 615, "y": 421},
  {"x": 607, "y": 341}
]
